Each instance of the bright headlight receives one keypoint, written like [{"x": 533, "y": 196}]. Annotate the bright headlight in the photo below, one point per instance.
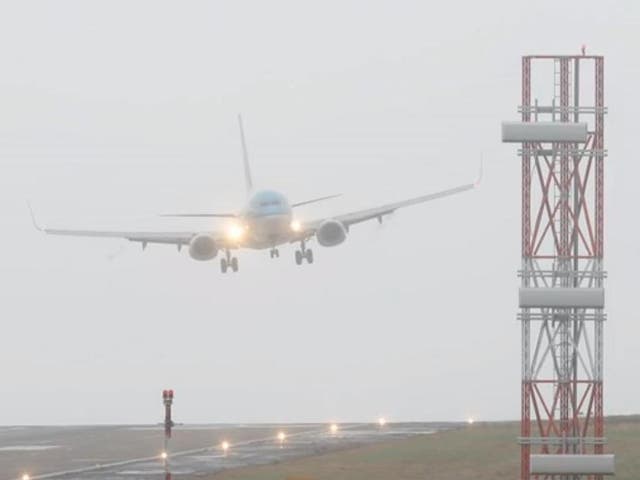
[
  {"x": 296, "y": 226},
  {"x": 235, "y": 231}
]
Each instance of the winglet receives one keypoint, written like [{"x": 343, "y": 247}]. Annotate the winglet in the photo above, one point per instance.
[
  {"x": 479, "y": 178},
  {"x": 33, "y": 218}
]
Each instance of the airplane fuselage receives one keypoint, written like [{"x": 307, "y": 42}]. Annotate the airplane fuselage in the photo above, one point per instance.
[{"x": 266, "y": 220}]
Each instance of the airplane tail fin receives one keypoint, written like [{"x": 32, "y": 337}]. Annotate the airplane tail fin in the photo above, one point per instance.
[{"x": 245, "y": 158}]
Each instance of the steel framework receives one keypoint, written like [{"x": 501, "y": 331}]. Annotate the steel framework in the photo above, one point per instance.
[{"x": 562, "y": 247}]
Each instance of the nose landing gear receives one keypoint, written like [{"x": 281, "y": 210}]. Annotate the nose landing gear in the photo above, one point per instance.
[
  {"x": 304, "y": 254},
  {"x": 228, "y": 262},
  {"x": 274, "y": 253}
]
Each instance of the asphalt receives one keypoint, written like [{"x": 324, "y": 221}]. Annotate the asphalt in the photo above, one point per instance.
[{"x": 133, "y": 452}]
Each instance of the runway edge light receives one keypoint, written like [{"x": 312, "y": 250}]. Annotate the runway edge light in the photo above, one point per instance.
[{"x": 225, "y": 446}]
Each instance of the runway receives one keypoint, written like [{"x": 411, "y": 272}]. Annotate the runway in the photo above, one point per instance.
[{"x": 133, "y": 452}]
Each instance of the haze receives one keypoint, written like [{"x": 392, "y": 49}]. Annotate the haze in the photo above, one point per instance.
[{"x": 112, "y": 112}]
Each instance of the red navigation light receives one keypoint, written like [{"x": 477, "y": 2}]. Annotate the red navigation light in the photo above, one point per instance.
[
  {"x": 164, "y": 393},
  {"x": 171, "y": 393}
]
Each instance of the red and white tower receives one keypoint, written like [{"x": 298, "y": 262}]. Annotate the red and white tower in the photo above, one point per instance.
[{"x": 561, "y": 297}]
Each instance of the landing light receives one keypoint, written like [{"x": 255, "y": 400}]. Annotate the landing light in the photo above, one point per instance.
[
  {"x": 333, "y": 428},
  {"x": 225, "y": 446},
  {"x": 163, "y": 455},
  {"x": 470, "y": 420},
  {"x": 235, "y": 231},
  {"x": 282, "y": 437},
  {"x": 382, "y": 421},
  {"x": 26, "y": 477},
  {"x": 296, "y": 226}
]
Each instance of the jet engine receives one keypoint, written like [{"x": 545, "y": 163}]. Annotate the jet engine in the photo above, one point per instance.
[
  {"x": 203, "y": 247},
  {"x": 331, "y": 233}
]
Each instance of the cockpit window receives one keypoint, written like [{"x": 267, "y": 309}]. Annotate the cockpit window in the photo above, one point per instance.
[{"x": 270, "y": 203}]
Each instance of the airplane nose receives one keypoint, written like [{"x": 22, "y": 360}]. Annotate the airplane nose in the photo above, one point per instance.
[{"x": 275, "y": 223}]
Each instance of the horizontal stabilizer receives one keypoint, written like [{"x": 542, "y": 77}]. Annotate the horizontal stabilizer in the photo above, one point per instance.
[
  {"x": 216, "y": 215},
  {"x": 306, "y": 202}
]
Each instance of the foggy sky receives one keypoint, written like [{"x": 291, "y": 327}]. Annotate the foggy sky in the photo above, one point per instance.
[{"x": 114, "y": 111}]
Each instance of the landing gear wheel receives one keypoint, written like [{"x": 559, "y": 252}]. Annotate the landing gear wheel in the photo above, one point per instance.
[
  {"x": 234, "y": 264},
  {"x": 224, "y": 265},
  {"x": 298, "y": 257},
  {"x": 309, "y": 255},
  {"x": 274, "y": 253}
]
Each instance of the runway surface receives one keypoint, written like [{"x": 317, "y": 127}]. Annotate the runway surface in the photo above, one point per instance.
[{"x": 133, "y": 452}]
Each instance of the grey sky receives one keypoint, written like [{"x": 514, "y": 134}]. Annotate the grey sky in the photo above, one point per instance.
[{"x": 114, "y": 111}]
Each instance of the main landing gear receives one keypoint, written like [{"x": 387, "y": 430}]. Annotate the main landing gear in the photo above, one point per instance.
[
  {"x": 228, "y": 262},
  {"x": 274, "y": 253},
  {"x": 304, "y": 254}
]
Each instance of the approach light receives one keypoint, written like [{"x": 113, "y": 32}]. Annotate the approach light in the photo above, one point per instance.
[
  {"x": 333, "y": 428},
  {"x": 382, "y": 421},
  {"x": 296, "y": 226}
]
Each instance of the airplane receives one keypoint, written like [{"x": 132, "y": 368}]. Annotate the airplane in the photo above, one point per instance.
[{"x": 267, "y": 221}]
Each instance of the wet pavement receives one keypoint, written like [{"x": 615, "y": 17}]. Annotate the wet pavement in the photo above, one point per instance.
[{"x": 134, "y": 452}]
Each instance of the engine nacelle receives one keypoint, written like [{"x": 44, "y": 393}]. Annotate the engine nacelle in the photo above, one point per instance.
[
  {"x": 203, "y": 247},
  {"x": 331, "y": 233}
]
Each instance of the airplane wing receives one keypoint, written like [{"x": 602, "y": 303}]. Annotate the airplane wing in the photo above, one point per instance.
[
  {"x": 172, "y": 238},
  {"x": 309, "y": 228}
]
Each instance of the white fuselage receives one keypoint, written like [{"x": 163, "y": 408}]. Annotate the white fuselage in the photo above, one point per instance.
[{"x": 266, "y": 220}]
